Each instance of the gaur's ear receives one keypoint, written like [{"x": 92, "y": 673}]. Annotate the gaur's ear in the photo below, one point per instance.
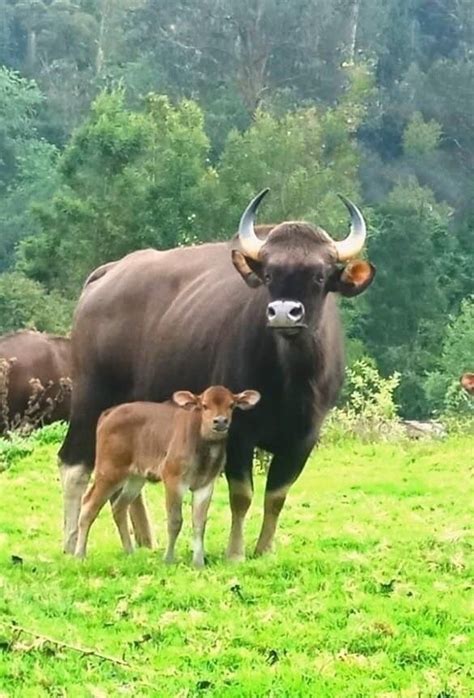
[
  {"x": 247, "y": 400},
  {"x": 248, "y": 268},
  {"x": 185, "y": 399},
  {"x": 356, "y": 276}
]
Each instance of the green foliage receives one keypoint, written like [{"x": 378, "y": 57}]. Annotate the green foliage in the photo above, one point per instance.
[
  {"x": 417, "y": 276},
  {"x": 304, "y": 157},
  {"x": 24, "y": 303},
  {"x": 442, "y": 386},
  {"x": 369, "y": 409},
  {"x": 13, "y": 449},
  {"x": 27, "y": 162},
  {"x": 17, "y": 445},
  {"x": 421, "y": 137},
  {"x": 367, "y": 594},
  {"x": 129, "y": 180}
]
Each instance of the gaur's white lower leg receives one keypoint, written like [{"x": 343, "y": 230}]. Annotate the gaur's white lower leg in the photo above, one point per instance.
[{"x": 74, "y": 480}]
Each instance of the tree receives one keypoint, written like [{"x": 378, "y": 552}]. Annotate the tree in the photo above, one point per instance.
[
  {"x": 442, "y": 386},
  {"x": 305, "y": 157},
  {"x": 128, "y": 180},
  {"x": 407, "y": 308},
  {"x": 27, "y": 164},
  {"x": 25, "y": 304}
]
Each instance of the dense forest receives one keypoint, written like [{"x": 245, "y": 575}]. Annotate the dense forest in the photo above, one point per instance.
[{"x": 134, "y": 123}]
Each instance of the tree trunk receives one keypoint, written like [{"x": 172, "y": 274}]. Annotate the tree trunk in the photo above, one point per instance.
[{"x": 352, "y": 30}]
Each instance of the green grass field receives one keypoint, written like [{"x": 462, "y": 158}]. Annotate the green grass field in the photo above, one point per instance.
[{"x": 369, "y": 592}]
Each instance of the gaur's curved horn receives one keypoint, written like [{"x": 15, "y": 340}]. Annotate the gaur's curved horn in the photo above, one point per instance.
[
  {"x": 251, "y": 244},
  {"x": 354, "y": 242}
]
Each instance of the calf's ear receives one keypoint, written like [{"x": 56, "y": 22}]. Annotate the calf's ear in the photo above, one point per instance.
[
  {"x": 247, "y": 400},
  {"x": 356, "y": 276},
  {"x": 249, "y": 269},
  {"x": 185, "y": 399}
]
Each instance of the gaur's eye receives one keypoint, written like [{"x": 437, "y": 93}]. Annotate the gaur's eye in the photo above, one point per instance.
[
  {"x": 205, "y": 407},
  {"x": 267, "y": 278},
  {"x": 318, "y": 278}
]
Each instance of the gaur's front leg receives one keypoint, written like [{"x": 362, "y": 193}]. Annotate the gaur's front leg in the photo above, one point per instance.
[
  {"x": 284, "y": 470},
  {"x": 238, "y": 471}
]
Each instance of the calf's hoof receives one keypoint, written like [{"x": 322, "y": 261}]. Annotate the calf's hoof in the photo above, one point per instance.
[
  {"x": 262, "y": 550},
  {"x": 235, "y": 558}
]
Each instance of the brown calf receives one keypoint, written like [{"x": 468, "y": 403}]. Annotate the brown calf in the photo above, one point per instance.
[
  {"x": 467, "y": 382},
  {"x": 184, "y": 448}
]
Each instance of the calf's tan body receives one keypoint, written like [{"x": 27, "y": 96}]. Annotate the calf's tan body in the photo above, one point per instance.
[{"x": 181, "y": 443}]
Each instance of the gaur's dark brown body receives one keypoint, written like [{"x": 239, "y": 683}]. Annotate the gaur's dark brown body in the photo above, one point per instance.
[
  {"x": 34, "y": 355},
  {"x": 159, "y": 321}
]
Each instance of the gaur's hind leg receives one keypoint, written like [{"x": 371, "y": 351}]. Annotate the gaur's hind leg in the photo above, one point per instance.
[
  {"x": 284, "y": 470},
  {"x": 77, "y": 459},
  {"x": 74, "y": 480},
  {"x": 239, "y": 479}
]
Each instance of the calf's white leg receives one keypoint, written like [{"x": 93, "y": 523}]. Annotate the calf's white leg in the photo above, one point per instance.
[
  {"x": 201, "y": 501},
  {"x": 174, "y": 492}
]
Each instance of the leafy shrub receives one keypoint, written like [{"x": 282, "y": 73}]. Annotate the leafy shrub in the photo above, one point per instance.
[
  {"x": 17, "y": 445},
  {"x": 442, "y": 386},
  {"x": 24, "y": 303},
  {"x": 14, "y": 448},
  {"x": 421, "y": 136},
  {"x": 370, "y": 411},
  {"x": 50, "y": 434}
]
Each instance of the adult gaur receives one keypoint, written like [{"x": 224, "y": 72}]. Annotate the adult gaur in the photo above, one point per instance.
[
  {"x": 33, "y": 356},
  {"x": 256, "y": 312}
]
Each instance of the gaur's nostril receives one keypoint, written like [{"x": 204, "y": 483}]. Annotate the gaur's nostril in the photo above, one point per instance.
[
  {"x": 297, "y": 312},
  {"x": 271, "y": 312}
]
